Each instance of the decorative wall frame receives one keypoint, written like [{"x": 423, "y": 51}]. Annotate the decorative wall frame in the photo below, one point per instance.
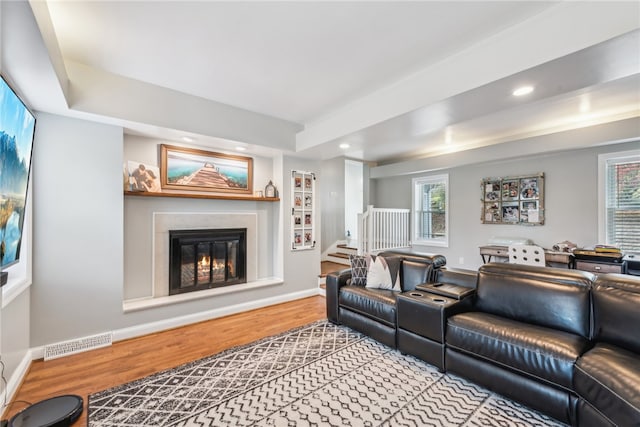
[
  {"x": 141, "y": 177},
  {"x": 517, "y": 200},
  {"x": 303, "y": 228},
  {"x": 199, "y": 170}
]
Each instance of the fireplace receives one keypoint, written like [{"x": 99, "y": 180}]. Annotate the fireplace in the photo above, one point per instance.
[{"x": 205, "y": 259}]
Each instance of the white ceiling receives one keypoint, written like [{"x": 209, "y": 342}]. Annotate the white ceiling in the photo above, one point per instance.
[
  {"x": 295, "y": 61},
  {"x": 308, "y": 62}
]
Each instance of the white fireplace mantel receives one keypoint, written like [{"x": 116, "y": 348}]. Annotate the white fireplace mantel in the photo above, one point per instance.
[{"x": 163, "y": 222}]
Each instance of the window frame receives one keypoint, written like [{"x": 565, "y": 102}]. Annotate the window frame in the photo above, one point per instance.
[
  {"x": 416, "y": 202},
  {"x": 20, "y": 273},
  {"x": 603, "y": 161}
]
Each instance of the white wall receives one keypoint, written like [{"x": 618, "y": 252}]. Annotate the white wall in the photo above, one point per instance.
[
  {"x": 77, "y": 254},
  {"x": 570, "y": 201},
  {"x": 15, "y": 338},
  {"x": 332, "y": 198},
  {"x": 353, "y": 195}
]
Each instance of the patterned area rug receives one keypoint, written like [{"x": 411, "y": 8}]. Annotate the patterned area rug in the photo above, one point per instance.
[{"x": 316, "y": 375}]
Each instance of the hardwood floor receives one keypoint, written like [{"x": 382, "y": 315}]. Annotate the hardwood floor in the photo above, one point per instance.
[{"x": 125, "y": 361}]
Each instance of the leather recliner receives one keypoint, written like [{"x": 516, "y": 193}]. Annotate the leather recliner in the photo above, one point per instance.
[
  {"x": 373, "y": 311},
  {"x": 523, "y": 335},
  {"x": 607, "y": 377},
  {"x": 564, "y": 342}
]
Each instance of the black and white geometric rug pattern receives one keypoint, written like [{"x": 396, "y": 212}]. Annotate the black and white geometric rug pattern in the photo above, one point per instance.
[{"x": 316, "y": 375}]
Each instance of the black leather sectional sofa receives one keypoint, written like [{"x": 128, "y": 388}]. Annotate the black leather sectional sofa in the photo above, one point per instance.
[{"x": 564, "y": 342}]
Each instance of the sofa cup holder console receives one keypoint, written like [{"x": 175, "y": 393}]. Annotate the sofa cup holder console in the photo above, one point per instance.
[{"x": 433, "y": 298}]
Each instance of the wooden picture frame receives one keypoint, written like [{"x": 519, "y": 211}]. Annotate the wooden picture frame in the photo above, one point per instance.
[
  {"x": 191, "y": 169},
  {"x": 142, "y": 177},
  {"x": 517, "y": 200}
]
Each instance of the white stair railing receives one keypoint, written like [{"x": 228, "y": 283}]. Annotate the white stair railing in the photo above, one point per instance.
[{"x": 382, "y": 229}]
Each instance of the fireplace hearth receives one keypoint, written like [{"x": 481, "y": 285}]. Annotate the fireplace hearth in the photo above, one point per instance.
[{"x": 205, "y": 259}]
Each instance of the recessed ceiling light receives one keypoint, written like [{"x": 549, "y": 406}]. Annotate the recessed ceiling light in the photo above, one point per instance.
[
  {"x": 523, "y": 90},
  {"x": 187, "y": 139},
  {"x": 344, "y": 146},
  {"x": 241, "y": 148}
]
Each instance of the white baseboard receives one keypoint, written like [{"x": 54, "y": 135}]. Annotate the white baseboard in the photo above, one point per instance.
[
  {"x": 18, "y": 375},
  {"x": 161, "y": 325}
]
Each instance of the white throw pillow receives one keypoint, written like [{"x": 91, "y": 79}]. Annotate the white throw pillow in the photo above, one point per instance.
[{"x": 379, "y": 275}]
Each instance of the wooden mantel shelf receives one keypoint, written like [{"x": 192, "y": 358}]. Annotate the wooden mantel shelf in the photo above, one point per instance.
[{"x": 201, "y": 196}]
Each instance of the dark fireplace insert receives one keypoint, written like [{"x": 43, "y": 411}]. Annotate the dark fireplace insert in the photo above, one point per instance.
[{"x": 204, "y": 259}]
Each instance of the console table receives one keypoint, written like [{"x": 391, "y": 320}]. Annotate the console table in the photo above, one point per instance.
[{"x": 550, "y": 257}]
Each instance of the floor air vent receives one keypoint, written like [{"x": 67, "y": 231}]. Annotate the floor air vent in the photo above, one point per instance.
[{"x": 67, "y": 348}]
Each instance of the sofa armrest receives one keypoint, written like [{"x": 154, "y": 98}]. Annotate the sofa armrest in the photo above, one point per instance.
[
  {"x": 461, "y": 306},
  {"x": 616, "y": 298},
  {"x": 335, "y": 281}
]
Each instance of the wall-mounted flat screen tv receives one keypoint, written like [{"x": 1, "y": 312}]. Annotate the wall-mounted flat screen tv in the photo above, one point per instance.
[{"x": 17, "y": 127}]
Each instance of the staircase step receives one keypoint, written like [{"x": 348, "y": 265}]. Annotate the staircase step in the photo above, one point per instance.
[
  {"x": 347, "y": 247},
  {"x": 342, "y": 262},
  {"x": 339, "y": 255},
  {"x": 327, "y": 267}
]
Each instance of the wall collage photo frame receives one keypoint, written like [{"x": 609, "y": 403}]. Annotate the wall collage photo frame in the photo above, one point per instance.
[
  {"x": 302, "y": 212},
  {"x": 513, "y": 200}
]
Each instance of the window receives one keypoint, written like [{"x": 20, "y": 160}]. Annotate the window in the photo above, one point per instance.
[
  {"x": 619, "y": 200},
  {"x": 430, "y": 210}
]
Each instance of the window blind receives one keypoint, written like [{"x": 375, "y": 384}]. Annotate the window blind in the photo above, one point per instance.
[{"x": 622, "y": 197}]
